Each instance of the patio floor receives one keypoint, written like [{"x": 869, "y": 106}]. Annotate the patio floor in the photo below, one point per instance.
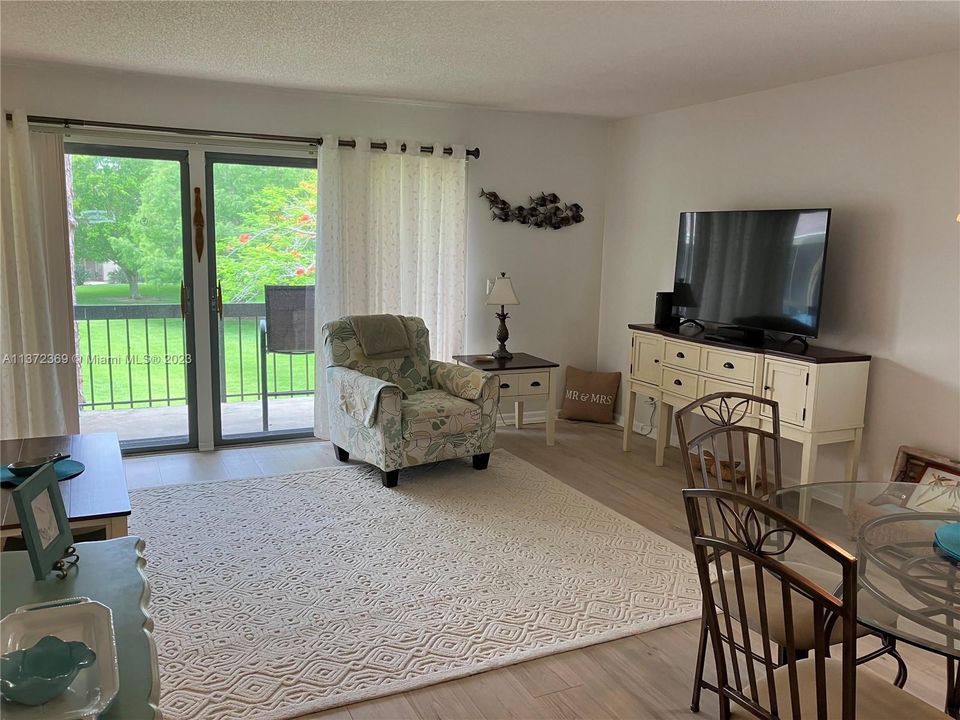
[{"x": 160, "y": 422}]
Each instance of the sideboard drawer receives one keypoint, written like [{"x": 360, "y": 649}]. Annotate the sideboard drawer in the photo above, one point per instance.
[
  {"x": 509, "y": 384},
  {"x": 709, "y": 386},
  {"x": 680, "y": 383},
  {"x": 733, "y": 365},
  {"x": 537, "y": 383},
  {"x": 682, "y": 355}
]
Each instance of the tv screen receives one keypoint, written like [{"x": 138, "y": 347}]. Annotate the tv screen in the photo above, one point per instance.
[{"x": 760, "y": 269}]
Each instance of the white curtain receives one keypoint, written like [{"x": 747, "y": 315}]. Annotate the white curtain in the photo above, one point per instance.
[
  {"x": 391, "y": 238},
  {"x": 38, "y": 375}
]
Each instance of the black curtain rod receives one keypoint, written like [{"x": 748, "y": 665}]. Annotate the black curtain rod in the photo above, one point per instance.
[{"x": 68, "y": 123}]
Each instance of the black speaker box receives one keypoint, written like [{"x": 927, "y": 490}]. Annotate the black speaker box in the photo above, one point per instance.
[{"x": 664, "y": 317}]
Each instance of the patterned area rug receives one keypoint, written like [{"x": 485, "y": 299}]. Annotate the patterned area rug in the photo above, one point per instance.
[{"x": 279, "y": 596}]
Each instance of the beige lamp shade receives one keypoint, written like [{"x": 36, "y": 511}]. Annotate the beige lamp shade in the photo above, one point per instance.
[{"x": 502, "y": 292}]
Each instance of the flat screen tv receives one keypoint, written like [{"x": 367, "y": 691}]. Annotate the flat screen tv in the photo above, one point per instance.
[{"x": 759, "y": 270}]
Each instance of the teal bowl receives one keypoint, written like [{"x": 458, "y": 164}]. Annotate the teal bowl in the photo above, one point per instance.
[
  {"x": 947, "y": 537},
  {"x": 26, "y": 468},
  {"x": 40, "y": 673}
]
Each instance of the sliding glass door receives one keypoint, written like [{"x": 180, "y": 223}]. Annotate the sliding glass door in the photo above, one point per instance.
[
  {"x": 261, "y": 220},
  {"x": 129, "y": 224}
]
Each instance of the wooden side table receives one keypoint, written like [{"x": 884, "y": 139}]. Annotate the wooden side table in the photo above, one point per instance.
[
  {"x": 96, "y": 498},
  {"x": 110, "y": 572},
  {"x": 523, "y": 377}
]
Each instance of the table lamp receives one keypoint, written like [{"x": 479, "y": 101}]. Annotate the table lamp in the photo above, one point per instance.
[{"x": 502, "y": 294}]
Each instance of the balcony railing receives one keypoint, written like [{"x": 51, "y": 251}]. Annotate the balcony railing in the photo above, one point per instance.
[{"x": 134, "y": 356}]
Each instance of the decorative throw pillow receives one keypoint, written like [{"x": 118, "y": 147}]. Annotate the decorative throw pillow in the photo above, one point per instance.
[{"x": 590, "y": 395}]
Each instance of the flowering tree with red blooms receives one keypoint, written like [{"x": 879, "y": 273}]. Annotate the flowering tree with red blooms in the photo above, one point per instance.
[{"x": 265, "y": 228}]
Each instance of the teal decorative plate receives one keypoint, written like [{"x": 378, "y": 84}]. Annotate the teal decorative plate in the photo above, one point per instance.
[
  {"x": 65, "y": 470},
  {"x": 947, "y": 538}
]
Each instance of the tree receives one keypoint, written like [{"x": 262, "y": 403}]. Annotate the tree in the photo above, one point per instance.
[
  {"x": 128, "y": 211},
  {"x": 158, "y": 226},
  {"x": 265, "y": 228}
]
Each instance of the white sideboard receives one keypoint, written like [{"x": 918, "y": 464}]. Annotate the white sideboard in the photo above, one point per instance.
[{"x": 821, "y": 392}]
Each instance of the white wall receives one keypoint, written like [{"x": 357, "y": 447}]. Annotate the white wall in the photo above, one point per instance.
[
  {"x": 556, "y": 273},
  {"x": 879, "y": 146}
]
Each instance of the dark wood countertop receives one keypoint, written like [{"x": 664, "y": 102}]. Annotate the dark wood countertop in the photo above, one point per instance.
[
  {"x": 792, "y": 351},
  {"x": 100, "y": 491},
  {"x": 520, "y": 361}
]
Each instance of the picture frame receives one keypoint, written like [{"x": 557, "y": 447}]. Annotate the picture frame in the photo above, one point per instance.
[
  {"x": 940, "y": 475},
  {"x": 912, "y": 466},
  {"x": 938, "y": 489},
  {"x": 44, "y": 523},
  {"x": 912, "y": 463}
]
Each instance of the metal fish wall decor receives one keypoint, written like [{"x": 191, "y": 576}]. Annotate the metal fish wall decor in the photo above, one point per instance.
[{"x": 543, "y": 211}]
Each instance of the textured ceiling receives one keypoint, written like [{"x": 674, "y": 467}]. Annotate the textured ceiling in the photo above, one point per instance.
[{"x": 597, "y": 58}]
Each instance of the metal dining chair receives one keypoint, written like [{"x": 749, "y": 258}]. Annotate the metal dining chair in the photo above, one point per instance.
[
  {"x": 287, "y": 328},
  {"x": 744, "y": 538},
  {"x": 723, "y": 456},
  {"x": 730, "y": 451}
]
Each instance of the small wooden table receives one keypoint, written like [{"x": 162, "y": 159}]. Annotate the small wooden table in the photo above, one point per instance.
[
  {"x": 523, "y": 377},
  {"x": 110, "y": 572},
  {"x": 96, "y": 498}
]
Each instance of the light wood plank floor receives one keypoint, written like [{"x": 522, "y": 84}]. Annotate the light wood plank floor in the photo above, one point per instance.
[{"x": 644, "y": 676}]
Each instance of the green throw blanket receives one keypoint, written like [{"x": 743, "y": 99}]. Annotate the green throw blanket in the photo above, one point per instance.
[{"x": 381, "y": 336}]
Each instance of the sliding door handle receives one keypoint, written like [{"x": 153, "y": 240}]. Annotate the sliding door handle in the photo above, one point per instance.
[
  {"x": 183, "y": 300},
  {"x": 220, "y": 300}
]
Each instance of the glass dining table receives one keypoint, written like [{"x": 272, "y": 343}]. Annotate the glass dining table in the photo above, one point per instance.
[{"x": 912, "y": 584}]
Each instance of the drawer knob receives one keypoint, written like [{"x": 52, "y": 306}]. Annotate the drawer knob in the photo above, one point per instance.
[
  {"x": 677, "y": 382},
  {"x": 681, "y": 355},
  {"x": 535, "y": 383},
  {"x": 504, "y": 386},
  {"x": 728, "y": 365},
  {"x": 767, "y": 388},
  {"x": 656, "y": 361}
]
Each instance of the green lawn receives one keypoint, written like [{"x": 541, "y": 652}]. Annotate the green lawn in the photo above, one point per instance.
[
  {"x": 134, "y": 379},
  {"x": 114, "y": 294}
]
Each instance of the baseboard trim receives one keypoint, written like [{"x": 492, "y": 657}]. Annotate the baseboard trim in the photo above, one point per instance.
[
  {"x": 638, "y": 426},
  {"x": 533, "y": 417}
]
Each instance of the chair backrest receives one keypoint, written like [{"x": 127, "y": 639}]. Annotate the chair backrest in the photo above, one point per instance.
[
  {"x": 742, "y": 540},
  {"x": 731, "y": 453},
  {"x": 341, "y": 348},
  {"x": 289, "y": 310}
]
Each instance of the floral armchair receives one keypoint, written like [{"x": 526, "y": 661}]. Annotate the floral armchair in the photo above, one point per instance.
[{"x": 400, "y": 412}]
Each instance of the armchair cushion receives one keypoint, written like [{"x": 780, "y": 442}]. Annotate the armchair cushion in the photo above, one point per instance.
[
  {"x": 435, "y": 412},
  {"x": 463, "y": 382},
  {"x": 356, "y": 394}
]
